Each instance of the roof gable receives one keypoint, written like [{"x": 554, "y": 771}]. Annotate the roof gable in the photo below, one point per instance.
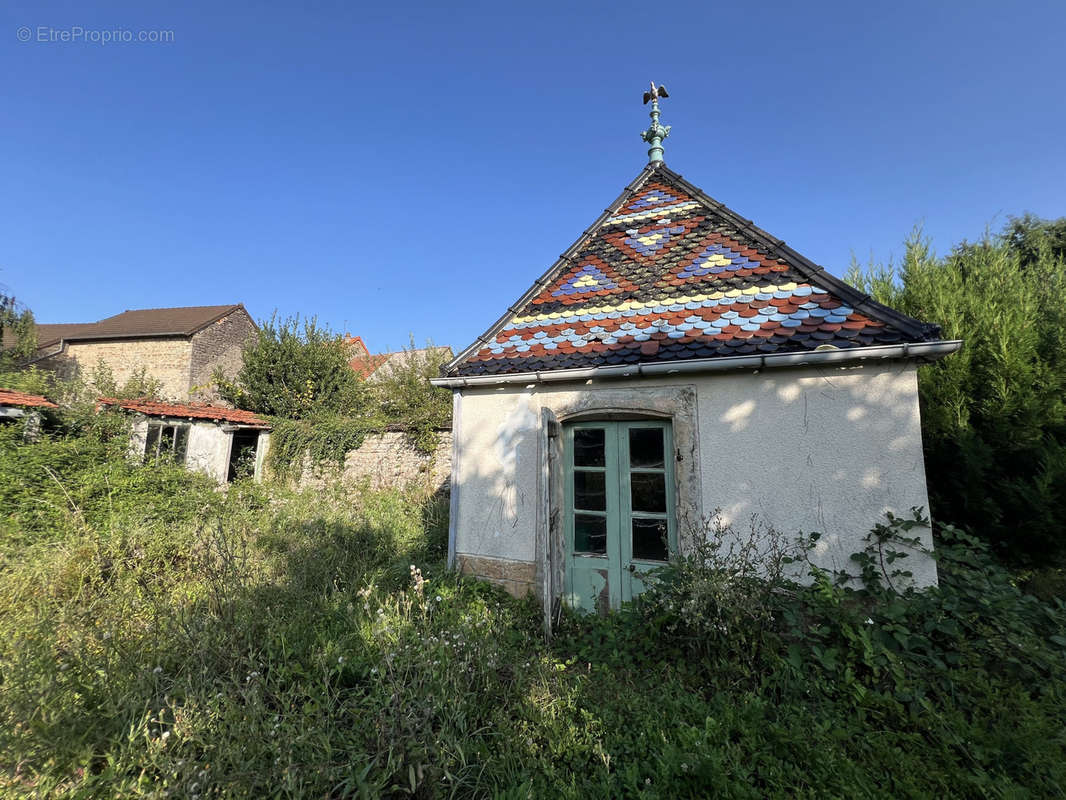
[{"x": 667, "y": 274}]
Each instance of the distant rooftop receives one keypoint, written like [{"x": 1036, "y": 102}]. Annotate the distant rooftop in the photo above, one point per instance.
[
  {"x": 137, "y": 323},
  {"x": 380, "y": 365}
]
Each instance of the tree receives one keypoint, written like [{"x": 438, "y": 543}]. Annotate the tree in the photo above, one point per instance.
[
  {"x": 18, "y": 337},
  {"x": 296, "y": 370},
  {"x": 993, "y": 414}
]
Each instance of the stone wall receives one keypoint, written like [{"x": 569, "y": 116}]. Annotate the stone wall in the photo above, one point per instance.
[
  {"x": 388, "y": 460},
  {"x": 165, "y": 359},
  {"x": 218, "y": 345},
  {"x": 517, "y": 577}
]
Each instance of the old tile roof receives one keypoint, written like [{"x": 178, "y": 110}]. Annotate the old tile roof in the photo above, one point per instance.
[
  {"x": 154, "y": 408},
  {"x": 667, "y": 273},
  {"x": 9, "y": 397},
  {"x": 356, "y": 345},
  {"x": 381, "y": 365},
  {"x": 365, "y": 364},
  {"x": 139, "y": 323}
]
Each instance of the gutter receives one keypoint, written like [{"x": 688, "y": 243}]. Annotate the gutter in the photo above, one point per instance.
[{"x": 927, "y": 351}]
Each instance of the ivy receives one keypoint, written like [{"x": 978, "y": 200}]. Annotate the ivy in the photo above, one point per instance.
[{"x": 322, "y": 439}]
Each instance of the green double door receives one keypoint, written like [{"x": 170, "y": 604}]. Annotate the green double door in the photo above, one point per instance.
[{"x": 619, "y": 509}]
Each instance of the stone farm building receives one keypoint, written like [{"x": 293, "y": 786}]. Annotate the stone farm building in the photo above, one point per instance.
[
  {"x": 676, "y": 361},
  {"x": 180, "y": 347}
]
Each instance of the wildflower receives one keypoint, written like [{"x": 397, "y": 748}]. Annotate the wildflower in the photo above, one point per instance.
[
  {"x": 869, "y": 621},
  {"x": 165, "y": 735},
  {"x": 157, "y": 670},
  {"x": 374, "y": 671},
  {"x": 684, "y": 767},
  {"x": 438, "y": 598},
  {"x": 647, "y": 781},
  {"x": 340, "y": 660}
]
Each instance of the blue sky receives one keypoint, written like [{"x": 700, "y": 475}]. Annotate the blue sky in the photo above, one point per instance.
[{"x": 411, "y": 169}]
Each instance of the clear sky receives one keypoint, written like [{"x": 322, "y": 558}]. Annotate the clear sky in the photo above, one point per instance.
[{"x": 403, "y": 169}]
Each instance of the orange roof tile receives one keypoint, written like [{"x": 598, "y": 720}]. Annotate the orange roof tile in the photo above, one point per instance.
[
  {"x": 9, "y": 397},
  {"x": 154, "y": 408}
]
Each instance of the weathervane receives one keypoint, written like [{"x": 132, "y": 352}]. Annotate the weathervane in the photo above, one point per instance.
[{"x": 655, "y": 134}]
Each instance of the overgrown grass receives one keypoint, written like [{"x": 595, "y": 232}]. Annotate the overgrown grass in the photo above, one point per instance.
[{"x": 161, "y": 639}]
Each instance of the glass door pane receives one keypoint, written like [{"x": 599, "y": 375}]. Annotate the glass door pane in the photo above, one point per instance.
[{"x": 618, "y": 509}]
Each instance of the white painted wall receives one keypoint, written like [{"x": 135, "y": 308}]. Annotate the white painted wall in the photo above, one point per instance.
[
  {"x": 208, "y": 452},
  {"x": 810, "y": 449}
]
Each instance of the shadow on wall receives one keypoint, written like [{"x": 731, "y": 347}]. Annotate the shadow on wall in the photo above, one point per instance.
[
  {"x": 826, "y": 450},
  {"x": 830, "y": 452},
  {"x": 508, "y": 468}
]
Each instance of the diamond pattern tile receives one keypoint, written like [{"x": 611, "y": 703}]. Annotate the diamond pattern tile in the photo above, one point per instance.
[{"x": 669, "y": 274}]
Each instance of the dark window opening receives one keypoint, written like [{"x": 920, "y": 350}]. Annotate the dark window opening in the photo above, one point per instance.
[
  {"x": 166, "y": 442},
  {"x": 242, "y": 454}
]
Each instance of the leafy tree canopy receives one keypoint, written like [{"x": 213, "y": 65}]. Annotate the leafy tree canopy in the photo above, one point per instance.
[
  {"x": 18, "y": 338},
  {"x": 295, "y": 369}
]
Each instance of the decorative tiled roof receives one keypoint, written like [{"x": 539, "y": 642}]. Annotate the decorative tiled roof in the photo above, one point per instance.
[
  {"x": 139, "y": 323},
  {"x": 667, "y": 273},
  {"x": 9, "y": 397},
  {"x": 153, "y": 408}
]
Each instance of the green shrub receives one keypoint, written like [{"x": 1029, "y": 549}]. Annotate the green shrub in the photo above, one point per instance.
[{"x": 993, "y": 414}]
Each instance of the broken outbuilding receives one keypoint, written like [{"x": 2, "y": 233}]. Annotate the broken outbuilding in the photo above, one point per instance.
[{"x": 225, "y": 443}]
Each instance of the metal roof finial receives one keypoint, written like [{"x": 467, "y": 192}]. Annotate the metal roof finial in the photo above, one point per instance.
[{"x": 655, "y": 133}]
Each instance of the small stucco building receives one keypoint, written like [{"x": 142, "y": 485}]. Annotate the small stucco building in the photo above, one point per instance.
[
  {"x": 180, "y": 347},
  {"x": 675, "y": 362},
  {"x": 224, "y": 443}
]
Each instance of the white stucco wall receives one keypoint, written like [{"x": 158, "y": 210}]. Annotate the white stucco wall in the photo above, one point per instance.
[
  {"x": 811, "y": 449},
  {"x": 208, "y": 452}
]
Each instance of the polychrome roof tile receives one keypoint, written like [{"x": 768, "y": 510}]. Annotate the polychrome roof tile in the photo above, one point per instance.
[{"x": 669, "y": 274}]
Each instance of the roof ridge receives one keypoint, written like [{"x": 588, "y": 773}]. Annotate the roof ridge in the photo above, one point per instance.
[{"x": 173, "y": 308}]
